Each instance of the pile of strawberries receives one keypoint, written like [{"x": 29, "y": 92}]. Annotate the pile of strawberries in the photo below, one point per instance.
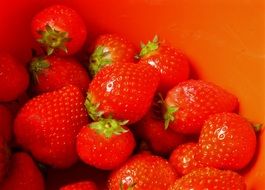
[{"x": 133, "y": 115}]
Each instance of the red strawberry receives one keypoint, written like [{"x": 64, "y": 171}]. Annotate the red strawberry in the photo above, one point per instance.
[
  {"x": 143, "y": 172},
  {"x": 80, "y": 172},
  {"x": 123, "y": 91},
  {"x": 4, "y": 158},
  {"x": 151, "y": 129},
  {"x": 210, "y": 178},
  {"x": 191, "y": 102},
  {"x": 227, "y": 141},
  {"x": 14, "y": 78},
  {"x": 48, "y": 124},
  {"x": 59, "y": 28},
  {"x": 108, "y": 49},
  {"x": 183, "y": 158},
  {"x": 84, "y": 185},
  {"x": 170, "y": 62},
  {"x": 52, "y": 73},
  {"x": 23, "y": 174},
  {"x": 5, "y": 123},
  {"x": 105, "y": 144}
]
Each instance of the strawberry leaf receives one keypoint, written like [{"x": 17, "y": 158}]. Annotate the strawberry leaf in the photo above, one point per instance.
[
  {"x": 99, "y": 59},
  {"x": 150, "y": 47},
  {"x": 169, "y": 115},
  {"x": 53, "y": 39},
  {"x": 258, "y": 127},
  {"x": 109, "y": 127},
  {"x": 92, "y": 108},
  {"x": 37, "y": 66}
]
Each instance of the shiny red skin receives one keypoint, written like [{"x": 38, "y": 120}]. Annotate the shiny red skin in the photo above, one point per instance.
[
  {"x": 5, "y": 123},
  {"x": 14, "y": 78},
  {"x": 124, "y": 91},
  {"x": 64, "y": 19},
  {"x": 196, "y": 100},
  {"x": 104, "y": 153},
  {"x": 146, "y": 171},
  {"x": 172, "y": 64},
  {"x": 162, "y": 141},
  {"x": 47, "y": 126},
  {"x": 62, "y": 72},
  {"x": 84, "y": 185},
  {"x": 183, "y": 158},
  {"x": 227, "y": 141},
  {"x": 210, "y": 178},
  {"x": 23, "y": 174}
]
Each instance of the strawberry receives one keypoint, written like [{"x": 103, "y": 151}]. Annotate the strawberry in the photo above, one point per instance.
[
  {"x": 123, "y": 91},
  {"x": 183, "y": 158},
  {"x": 48, "y": 124},
  {"x": 23, "y": 174},
  {"x": 4, "y": 158},
  {"x": 172, "y": 64},
  {"x": 210, "y": 178},
  {"x": 143, "y": 172},
  {"x": 109, "y": 49},
  {"x": 80, "y": 172},
  {"x": 191, "y": 102},
  {"x": 102, "y": 140},
  {"x": 84, "y": 185},
  {"x": 14, "y": 78},
  {"x": 224, "y": 138},
  {"x": 5, "y": 123},
  {"x": 59, "y": 28},
  {"x": 151, "y": 129},
  {"x": 54, "y": 72}
]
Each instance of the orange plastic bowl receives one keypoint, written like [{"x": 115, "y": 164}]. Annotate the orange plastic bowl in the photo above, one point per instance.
[{"x": 223, "y": 38}]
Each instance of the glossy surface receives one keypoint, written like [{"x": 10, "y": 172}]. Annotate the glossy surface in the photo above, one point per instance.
[{"x": 224, "y": 39}]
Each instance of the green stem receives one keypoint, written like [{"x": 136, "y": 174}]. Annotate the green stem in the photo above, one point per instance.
[
  {"x": 53, "y": 39},
  {"x": 109, "y": 127},
  {"x": 169, "y": 115},
  {"x": 148, "y": 48}
]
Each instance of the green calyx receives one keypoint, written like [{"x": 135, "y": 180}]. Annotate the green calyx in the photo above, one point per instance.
[
  {"x": 130, "y": 187},
  {"x": 53, "y": 39},
  {"x": 109, "y": 127},
  {"x": 100, "y": 58},
  {"x": 37, "y": 66},
  {"x": 148, "y": 48},
  {"x": 169, "y": 115},
  {"x": 257, "y": 127},
  {"x": 92, "y": 108},
  {"x": 105, "y": 126}
]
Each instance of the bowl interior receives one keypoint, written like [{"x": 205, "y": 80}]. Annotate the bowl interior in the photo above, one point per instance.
[{"x": 224, "y": 40}]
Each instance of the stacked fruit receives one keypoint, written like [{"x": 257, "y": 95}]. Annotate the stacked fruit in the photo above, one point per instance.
[{"x": 132, "y": 119}]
